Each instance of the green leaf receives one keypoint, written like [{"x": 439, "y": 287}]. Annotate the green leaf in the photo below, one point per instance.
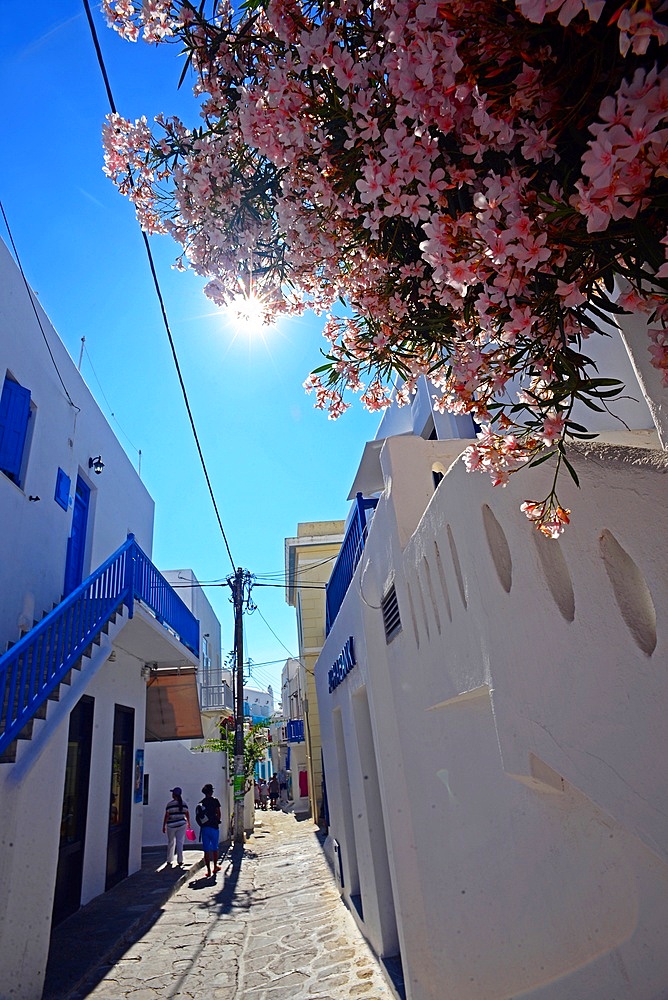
[
  {"x": 573, "y": 473},
  {"x": 588, "y": 402},
  {"x": 541, "y": 459}
]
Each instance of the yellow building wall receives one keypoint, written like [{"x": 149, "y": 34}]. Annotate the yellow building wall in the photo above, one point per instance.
[{"x": 311, "y": 556}]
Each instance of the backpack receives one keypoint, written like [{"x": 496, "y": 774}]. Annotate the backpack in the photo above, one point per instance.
[{"x": 201, "y": 815}]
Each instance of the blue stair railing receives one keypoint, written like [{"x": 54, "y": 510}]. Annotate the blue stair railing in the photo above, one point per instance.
[
  {"x": 348, "y": 557},
  {"x": 37, "y": 664}
]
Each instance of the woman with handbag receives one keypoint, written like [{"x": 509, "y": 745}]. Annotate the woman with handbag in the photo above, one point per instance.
[
  {"x": 175, "y": 823},
  {"x": 208, "y": 816}
]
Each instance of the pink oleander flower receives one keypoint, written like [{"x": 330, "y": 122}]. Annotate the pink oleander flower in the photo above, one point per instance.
[
  {"x": 438, "y": 167},
  {"x": 553, "y": 428},
  {"x": 550, "y": 520}
]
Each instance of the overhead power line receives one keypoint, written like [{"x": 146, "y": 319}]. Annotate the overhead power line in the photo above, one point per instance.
[
  {"x": 161, "y": 301},
  {"x": 281, "y": 573},
  {"x": 279, "y": 640}
]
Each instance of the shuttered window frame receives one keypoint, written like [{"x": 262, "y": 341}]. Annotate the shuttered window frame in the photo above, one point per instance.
[{"x": 14, "y": 420}]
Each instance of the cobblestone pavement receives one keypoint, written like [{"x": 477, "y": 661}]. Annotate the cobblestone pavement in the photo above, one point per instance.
[{"x": 270, "y": 927}]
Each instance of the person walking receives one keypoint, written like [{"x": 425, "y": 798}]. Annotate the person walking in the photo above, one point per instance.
[
  {"x": 263, "y": 794},
  {"x": 175, "y": 823},
  {"x": 273, "y": 791},
  {"x": 283, "y": 787},
  {"x": 256, "y": 794},
  {"x": 208, "y": 817}
]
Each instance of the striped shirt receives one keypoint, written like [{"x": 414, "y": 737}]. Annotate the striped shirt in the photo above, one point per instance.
[{"x": 175, "y": 813}]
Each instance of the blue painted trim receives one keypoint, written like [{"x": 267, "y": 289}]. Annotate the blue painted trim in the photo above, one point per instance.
[
  {"x": 349, "y": 556},
  {"x": 14, "y": 417},
  {"x": 62, "y": 492}
]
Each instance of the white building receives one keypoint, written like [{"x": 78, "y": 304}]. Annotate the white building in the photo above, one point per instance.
[
  {"x": 258, "y": 704},
  {"x": 288, "y": 749},
  {"x": 214, "y": 679},
  {"x": 107, "y": 657},
  {"x": 492, "y": 708},
  {"x": 171, "y": 763}
]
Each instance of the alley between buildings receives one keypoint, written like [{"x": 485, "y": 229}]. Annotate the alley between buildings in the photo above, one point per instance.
[{"x": 270, "y": 927}]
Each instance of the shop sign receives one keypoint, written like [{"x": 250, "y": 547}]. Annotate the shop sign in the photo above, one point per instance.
[{"x": 344, "y": 663}]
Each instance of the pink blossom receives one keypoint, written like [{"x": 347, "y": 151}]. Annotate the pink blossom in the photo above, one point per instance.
[
  {"x": 421, "y": 162},
  {"x": 570, "y": 293},
  {"x": 553, "y": 428}
]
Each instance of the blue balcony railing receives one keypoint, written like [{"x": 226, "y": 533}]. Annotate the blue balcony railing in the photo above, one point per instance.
[
  {"x": 295, "y": 731},
  {"x": 349, "y": 556},
  {"x": 34, "y": 667}
]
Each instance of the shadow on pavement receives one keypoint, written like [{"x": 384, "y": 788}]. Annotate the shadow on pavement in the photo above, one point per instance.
[
  {"x": 85, "y": 945},
  {"x": 90, "y": 942}
]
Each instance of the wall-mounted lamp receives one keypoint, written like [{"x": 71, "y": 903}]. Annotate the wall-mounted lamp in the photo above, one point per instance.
[
  {"x": 96, "y": 464},
  {"x": 145, "y": 672}
]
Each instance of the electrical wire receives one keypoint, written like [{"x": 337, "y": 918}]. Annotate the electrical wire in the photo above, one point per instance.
[
  {"x": 280, "y": 586},
  {"x": 158, "y": 291},
  {"x": 34, "y": 307},
  {"x": 280, "y": 641},
  {"x": 281, "y": 572}
]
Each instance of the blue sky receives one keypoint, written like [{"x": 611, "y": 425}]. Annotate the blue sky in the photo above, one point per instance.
[{"x": 273, "y": 459}]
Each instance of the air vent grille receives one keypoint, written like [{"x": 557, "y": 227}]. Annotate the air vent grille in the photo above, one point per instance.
[{"x": 391, "y": 617}]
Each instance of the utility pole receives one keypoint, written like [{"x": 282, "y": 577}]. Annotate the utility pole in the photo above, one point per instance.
[{"x": 239, "y": 583}]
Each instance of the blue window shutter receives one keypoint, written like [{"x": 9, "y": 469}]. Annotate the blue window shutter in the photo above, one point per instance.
[
  {"x": 62, "y": 494},
  {"x": 14, "y": 416}
]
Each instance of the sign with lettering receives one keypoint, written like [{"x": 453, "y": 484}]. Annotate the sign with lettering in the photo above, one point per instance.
[{"x": 345, "y": 662}]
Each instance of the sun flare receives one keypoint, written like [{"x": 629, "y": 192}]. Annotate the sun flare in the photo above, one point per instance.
[{"x": 246, "y": 315}]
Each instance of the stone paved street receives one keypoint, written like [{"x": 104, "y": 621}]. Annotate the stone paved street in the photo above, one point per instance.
[{"x": 271, "y": 927}]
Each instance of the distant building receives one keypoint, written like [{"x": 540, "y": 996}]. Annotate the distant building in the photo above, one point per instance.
[
  {"x": 309, "y": 558},
  {"x": 170, "y": 763},
  {"x": 258, "y": 704},
  {"x": 288, "y": 746},
  {"x": 214, "y": 679}
]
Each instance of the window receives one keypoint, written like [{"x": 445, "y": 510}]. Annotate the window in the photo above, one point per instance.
[
  {"x": 62, "y": 494},
  {"x": 391, "y": 619},
  {"x": 14, "y": 420}
]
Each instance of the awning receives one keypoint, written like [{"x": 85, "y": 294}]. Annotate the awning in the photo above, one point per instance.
[{"x": 172, "y": 705}]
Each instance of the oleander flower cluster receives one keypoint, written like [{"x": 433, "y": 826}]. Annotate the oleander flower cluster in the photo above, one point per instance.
[{"x": 474, "y": 180}]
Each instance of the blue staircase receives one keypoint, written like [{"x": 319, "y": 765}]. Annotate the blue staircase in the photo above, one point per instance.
[{"x": 33, "y": 669}]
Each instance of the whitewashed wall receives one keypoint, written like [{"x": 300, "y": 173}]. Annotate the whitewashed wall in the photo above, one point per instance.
[
  {"x": 173, "y": 763},
  {"x": 33, "y": 536},
  {"x": 514, "y": 730},
  {"x": 32, "y": 793},
  {"x": 33, "y": 546}
]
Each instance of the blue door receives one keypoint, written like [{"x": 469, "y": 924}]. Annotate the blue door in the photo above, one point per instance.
[{"x": 76, "y": 543}]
